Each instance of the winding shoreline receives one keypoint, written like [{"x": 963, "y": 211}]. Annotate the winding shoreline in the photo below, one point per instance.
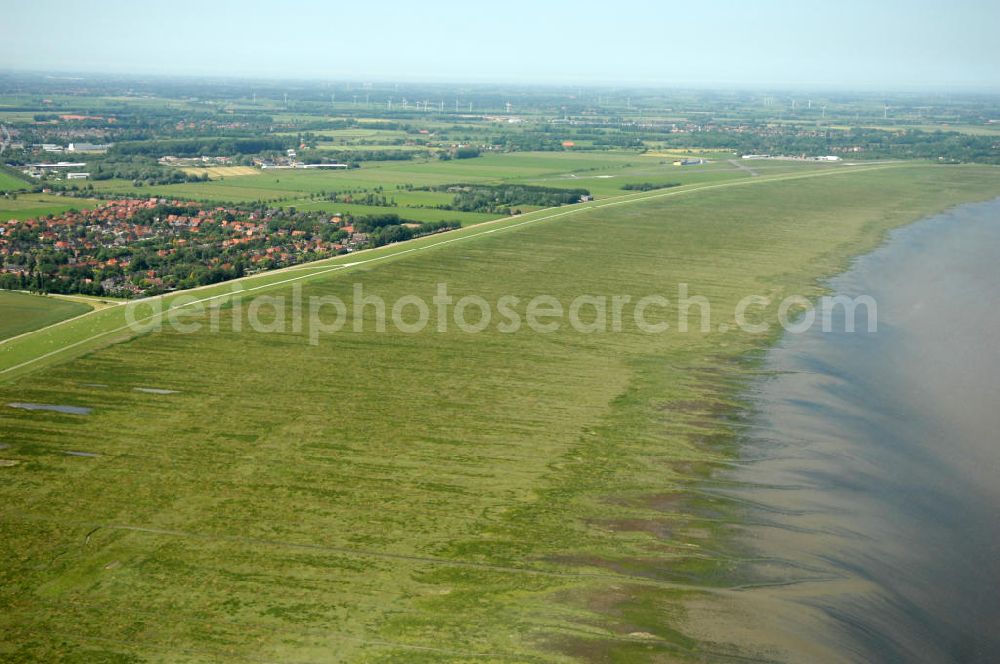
[{"x": 841, "y": 446}]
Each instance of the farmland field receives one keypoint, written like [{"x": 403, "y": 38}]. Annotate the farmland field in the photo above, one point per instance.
[
  {"x": 219, "y": 172},
  {"x": 419, "y": 497},
  {"x": 973, "y": 130},
  {"x": 489, "y": 168},
  {"x": 604, "y": 174},
  {"x": 22, "y": 312},
  {"x": 27, "y": 206},
  {"x": 10, "y": 183},
  {"x": 414, "y": 213}
]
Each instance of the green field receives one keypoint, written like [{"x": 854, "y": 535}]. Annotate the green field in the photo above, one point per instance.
[
  {"x": 10, "y": 183},
  {"x": 29, "y": 206},
  {"x": 389, "y": 175},
  {"x": 413, "y": 213},
  {"x": 294, "y": 187},
  {"x": 441, "y": 496},
  {"x": 603, "y": 173},
  {"x": 968, "y": 129},
  {"x": 21, "y": 312}
]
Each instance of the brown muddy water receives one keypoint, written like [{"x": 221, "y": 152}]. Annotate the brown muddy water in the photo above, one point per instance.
[{"x": 870, "y": 478}]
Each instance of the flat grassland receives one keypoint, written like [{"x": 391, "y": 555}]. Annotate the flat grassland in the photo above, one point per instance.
[
  {"x": 29, "y": 206},
  {"x": 602, "y": 173},
  {"x": 22, "y": 312},
  {"x": 219, "y": 172},
  {"x": 10, "y": 183},
  {"x": 424, "y": 497}
]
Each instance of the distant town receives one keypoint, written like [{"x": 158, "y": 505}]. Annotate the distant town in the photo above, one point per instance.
[{"x": 133, "y": 246}]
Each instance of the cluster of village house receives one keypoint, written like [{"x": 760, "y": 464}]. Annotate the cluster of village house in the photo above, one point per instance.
[{"x": 235, "y": 233}]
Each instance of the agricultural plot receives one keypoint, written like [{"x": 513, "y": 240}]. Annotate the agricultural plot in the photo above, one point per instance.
[
  {"x": 220, "y": 172},
  {"x": 534, "y": 167},
  {"x": 361, "y": 132},
  {"x": 283, "y": 184},
  {"x": 422, "y": 497},
  {"x": 28, "y": 206},
  {"x": 15, "y": 116},
  {"x": 604, "y": 174},
  {"x": 242, "y": 189},
  {"x": 991, "y": 129},
  {"x": 10, "y": 183},
  {"x": 413, "y": 213},
  {"x": 347, "y": 147}
]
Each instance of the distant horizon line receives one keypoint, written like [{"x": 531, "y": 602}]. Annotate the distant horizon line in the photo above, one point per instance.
[{"x": 868, "y": 88}]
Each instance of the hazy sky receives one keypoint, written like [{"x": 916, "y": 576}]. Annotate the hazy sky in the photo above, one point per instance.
[{"x": 842, "y": 43}]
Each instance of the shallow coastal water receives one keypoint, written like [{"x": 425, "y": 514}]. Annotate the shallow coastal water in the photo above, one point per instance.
[{"x": 871, "y": 477}]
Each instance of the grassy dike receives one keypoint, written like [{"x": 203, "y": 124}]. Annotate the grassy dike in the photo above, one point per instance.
[
  {"x": 60, "y": 343},
  {"x": 418, "y": 497},
  {"x": 24, "y": 312}
]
